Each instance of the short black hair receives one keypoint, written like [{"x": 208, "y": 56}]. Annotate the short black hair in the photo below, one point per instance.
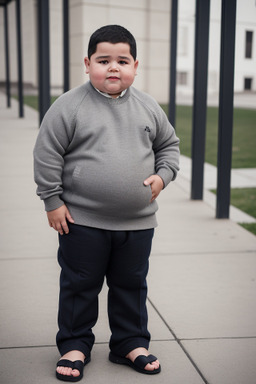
[{"x": 112, "y": 34}]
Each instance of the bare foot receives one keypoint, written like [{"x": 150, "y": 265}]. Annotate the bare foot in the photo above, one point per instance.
[
  {"x": 72, "y": 356},
  {"x": 143, "y": 351}
]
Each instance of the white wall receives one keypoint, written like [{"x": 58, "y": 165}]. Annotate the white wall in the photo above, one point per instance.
[
  {"x": 246, "y": 21},
  {"x": 56, "y": 43},
  {"x": 186, "y": 44},
  {"x": 214, "y": 46},
  {"x": 12, "y": 43},
  {"x": 29, "y": 42},
  {"x": 2, "y": 47}
]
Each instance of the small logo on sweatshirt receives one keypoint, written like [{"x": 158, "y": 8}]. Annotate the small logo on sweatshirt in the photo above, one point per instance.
[{"x": 147, "y": 129}]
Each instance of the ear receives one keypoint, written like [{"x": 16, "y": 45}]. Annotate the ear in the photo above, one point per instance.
[
  {"x": 87, "y": 64},
  {"x": 136, "y": 63}
]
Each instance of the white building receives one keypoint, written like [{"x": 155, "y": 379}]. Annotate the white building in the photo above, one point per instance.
[{"x": 149, "y": 21}]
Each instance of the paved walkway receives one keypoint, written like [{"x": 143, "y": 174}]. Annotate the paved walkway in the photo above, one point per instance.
[{"x": 202, "y": 281}]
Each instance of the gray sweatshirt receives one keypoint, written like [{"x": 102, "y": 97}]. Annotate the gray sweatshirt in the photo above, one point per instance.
[{"x": 93, "y": 154}]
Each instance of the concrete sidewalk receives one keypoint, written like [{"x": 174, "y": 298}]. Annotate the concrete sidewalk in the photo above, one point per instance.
[{"x": 202, "y": 284}]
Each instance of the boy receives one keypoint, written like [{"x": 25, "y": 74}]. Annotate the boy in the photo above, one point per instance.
[{"x": 103, "y": 154}]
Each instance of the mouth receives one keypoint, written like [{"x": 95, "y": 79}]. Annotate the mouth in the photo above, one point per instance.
[{"x": 113, "y": 78}]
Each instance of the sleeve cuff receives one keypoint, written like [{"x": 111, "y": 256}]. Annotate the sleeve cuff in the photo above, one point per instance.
[
  {"x": 166, "y": 175},
  {"x": 52, "y": 203}
]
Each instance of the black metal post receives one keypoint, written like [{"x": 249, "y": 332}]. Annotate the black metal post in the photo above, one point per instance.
[
  {"x": 173, "y": 60},
  {"x": 7, "y": 65},
  {"x": 19, "y": 54},
  {"x": 43, "y": 57},
  {"x": 227, "y": 63},
  {"x": 200, "y": 97},
  {"x": 66, "y": 44}
]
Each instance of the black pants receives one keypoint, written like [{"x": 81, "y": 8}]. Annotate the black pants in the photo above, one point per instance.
[{"x": 86, "y": 255}]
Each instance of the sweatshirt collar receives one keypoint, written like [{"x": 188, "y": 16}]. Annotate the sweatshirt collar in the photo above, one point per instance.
[{"x": 110, "y": 97}]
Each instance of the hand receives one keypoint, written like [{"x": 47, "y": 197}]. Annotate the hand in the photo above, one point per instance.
[
  {"x": 156, "y": 183},
  {"x": 58, "y": 219}
]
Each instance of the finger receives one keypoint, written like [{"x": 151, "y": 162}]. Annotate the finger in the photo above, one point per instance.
[
  {"x": 154, "y": 195},
  {"x": 59, "y": 228},
  {"x": 65, "y": 227},
  {"x": 69, "y": 217},
  {"x": 56, "y": 229},
  {"x": 148, "y": 181}
]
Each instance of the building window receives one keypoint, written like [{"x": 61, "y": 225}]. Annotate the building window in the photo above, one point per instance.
[
  {"x": 248, "y": 44},
  {"x": 248, "y": 84},
  {"x": 182, "y": 78}
]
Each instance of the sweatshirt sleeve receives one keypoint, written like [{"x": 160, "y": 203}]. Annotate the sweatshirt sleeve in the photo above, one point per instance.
[
  {"x": 166, "y": 148},
  {"x": 54, "y": 137}
]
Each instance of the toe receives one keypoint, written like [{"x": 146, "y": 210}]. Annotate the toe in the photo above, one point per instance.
[
  {"x": 64, "y": 371},
  {"x": 72, "y": 356},
  {"x": 75, "y": 373},
  {"x": 149, "y": 367},
  {"x": 142, "y": 351},
  {"x": 152, "y": 366},
  {"x": 67, "y": 371}
]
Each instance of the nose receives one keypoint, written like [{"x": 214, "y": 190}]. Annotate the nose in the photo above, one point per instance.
[{"x": 113, "y": 67}]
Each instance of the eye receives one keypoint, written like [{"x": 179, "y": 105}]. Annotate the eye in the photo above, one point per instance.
[
  {"x": 104, "y": 62},
  {"x": 122, "y": 62}
]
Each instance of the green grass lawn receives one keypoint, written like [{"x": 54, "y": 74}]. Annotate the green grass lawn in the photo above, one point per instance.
[
  {"x": 244, "y": 135},
  {"x": 245, "y": 199},
  {"x": 32, "y": 100},
  {"x": 243, "y": 149}
]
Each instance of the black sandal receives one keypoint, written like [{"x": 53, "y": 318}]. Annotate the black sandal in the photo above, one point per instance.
[
  {"x": 78, "y": 364},
  {"x": 139, "y": 363}
]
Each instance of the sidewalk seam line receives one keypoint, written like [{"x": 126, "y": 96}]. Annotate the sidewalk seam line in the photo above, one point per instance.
[
  {"x": 179, "y": 343},
  {"x": 219, "y": 338},
  {"x": 169, "y": 254},
  {"x": 153, "y": 341}
]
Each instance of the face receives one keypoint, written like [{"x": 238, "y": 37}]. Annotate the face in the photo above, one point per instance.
[{"x": 111, "y": 68}]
